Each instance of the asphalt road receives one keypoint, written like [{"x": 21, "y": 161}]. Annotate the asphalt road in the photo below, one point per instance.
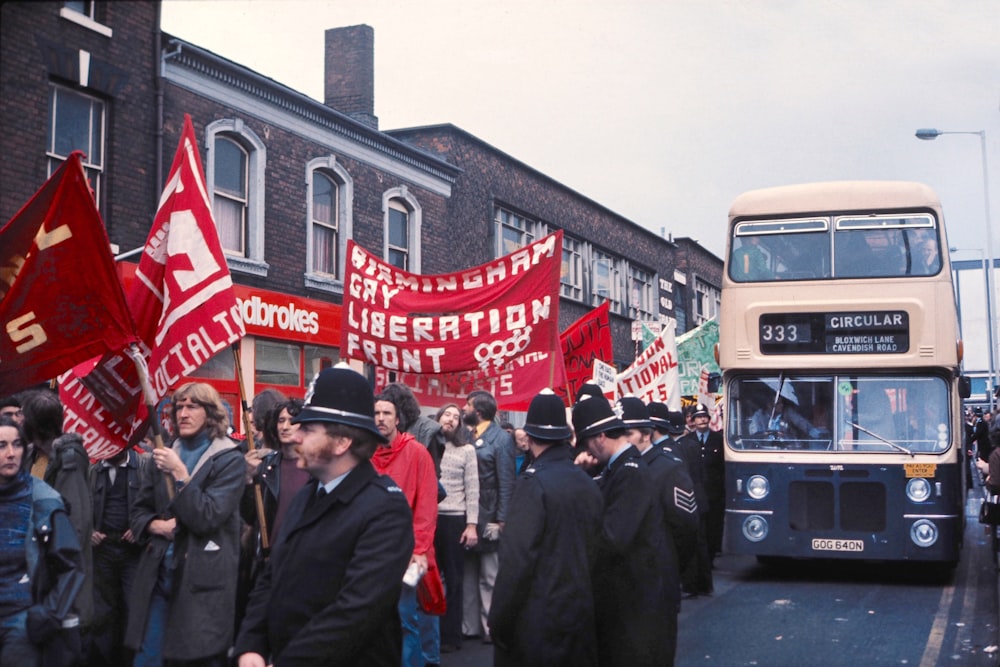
[{"x": 836, "y": 614}]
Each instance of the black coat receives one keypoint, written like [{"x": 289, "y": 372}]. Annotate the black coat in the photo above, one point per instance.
[
  {"x": 328, "y": 595},
  {"x": 637, "y": 598},
  {"x": 678, "y": 501},
  {"x": 497, "y": 472},
  {"x": 543, "y": 608}
]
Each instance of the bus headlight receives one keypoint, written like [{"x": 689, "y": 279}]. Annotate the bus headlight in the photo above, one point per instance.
[
  {"x": 923, "y": 533},
  {"x": 918, "y": 489},
  {"x": 755, "y": 528},
  {"x": 758, "y": 487}
]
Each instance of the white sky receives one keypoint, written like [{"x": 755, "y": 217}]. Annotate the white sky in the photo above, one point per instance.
[{"x": 665, "y": 110}]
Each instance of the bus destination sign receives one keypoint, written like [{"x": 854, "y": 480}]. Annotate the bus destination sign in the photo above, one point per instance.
[{"x": 852, "y": 332}]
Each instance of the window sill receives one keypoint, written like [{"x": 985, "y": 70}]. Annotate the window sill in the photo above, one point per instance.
[
  {"x": 324, "y": 283},
  {"x": 85, "y": 21},
  {"x": 254, "y": 267}
]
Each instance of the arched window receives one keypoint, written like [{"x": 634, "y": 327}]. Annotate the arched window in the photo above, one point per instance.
[
  {"x": 235, "y": 161},
  {"x": 402, "y": 229},
  {"x": 330, "y": 194},
  {"x": 229, "y": 205}
]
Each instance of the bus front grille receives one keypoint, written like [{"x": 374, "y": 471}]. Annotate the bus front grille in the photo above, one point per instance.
[{"x": 813, "y": 505}]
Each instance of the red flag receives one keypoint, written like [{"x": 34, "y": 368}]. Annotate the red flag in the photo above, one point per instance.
[
  {"x": 585, "y": 340},
  {"x": 60, "y": 299},
  {"x": 182, "y": 299}
]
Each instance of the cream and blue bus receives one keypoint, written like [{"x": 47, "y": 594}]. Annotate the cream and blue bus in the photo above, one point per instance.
[{"x": 841, "y": 356}]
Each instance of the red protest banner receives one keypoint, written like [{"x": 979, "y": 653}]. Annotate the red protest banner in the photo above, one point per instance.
[
  {"x": 481, "y": 319},
  {"x": 585, "y": 340},
  {"x": 513, "y": 386},
  {"x": 60, "y": 299},
  {"x": 182, "y": 299}
]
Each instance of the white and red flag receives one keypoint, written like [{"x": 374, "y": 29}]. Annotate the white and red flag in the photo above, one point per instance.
[
  {"x": 654, "y": 375},
  {"x": 184, "y": 307},
  {"x": 61, "y": 301}
]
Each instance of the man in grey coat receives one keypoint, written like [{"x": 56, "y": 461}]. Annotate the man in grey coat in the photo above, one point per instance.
[
  {"x": 184, "y": 594},
  {"x": 495, "y": 456}
]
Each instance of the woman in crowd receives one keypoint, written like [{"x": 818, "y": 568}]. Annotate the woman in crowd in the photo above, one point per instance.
[{"x": 40, "y": 570}]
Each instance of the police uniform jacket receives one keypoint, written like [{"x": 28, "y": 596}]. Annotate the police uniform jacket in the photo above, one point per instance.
[
  {"x": 328, "y": 595},
  {"x": 636, "y": 603},
  {"x": 202, "y": 601},
  {"x": 543, "y": 610},
  {"x": 678, "y": 502}
]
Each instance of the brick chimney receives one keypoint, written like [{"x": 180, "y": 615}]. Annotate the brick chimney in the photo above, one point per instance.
[{"x": 349, "y": 81}]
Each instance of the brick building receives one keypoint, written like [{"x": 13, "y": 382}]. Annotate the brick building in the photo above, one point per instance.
[{"x": 292, "y": 179}]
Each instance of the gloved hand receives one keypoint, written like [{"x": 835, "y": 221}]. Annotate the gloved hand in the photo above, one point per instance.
[{"x": 491, "y": 533}]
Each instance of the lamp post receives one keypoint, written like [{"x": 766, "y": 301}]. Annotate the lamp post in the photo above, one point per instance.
[
  {"x": 989, "y": 329},
  {"x": 929, "y": 134}
]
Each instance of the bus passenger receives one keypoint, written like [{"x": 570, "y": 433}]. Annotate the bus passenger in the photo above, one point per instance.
[{"x": 749, "y": 261}]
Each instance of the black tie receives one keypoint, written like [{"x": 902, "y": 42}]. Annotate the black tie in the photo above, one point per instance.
[{"x": 316, "y": 497}]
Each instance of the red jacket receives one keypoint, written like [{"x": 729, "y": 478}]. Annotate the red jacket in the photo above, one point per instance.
[{"x": 409, "y": 464}]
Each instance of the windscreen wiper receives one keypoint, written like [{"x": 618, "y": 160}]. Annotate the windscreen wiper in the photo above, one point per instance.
[{"x": 878, "y": 437}]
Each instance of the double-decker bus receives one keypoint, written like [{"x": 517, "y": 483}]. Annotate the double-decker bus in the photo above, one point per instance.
[{"x": 838, "y": 341}]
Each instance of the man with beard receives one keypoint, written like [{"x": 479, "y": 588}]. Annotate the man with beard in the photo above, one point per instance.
[
  {"x": 496, "y": 459},
  {"x": 408, "y": 463},
  {"x": 458, "y": 515},
  {"x": 328, "y": 595}
]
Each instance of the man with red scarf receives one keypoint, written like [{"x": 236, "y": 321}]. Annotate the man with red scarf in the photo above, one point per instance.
[{"x": 409, "y": 464}]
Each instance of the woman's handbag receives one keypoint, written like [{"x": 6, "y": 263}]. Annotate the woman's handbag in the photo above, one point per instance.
[{"x": 989, "y": 511}]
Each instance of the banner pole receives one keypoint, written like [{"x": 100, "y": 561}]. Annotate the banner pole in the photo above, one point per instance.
[
  {"x": 150, "y": 397},
  {"x": 251, "y": 446}
]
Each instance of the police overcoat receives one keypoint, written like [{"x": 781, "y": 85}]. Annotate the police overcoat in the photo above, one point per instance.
[
  {"x": 543, "y": 608},
  {"x": 328, "y": 595}
]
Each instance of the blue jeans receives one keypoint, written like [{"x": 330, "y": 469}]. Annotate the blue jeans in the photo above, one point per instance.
[
  {"x": 16, "y": 650},
  {"x": 150, "y": 654},
  {"x": 412, "y": 654},
  {"x": 430, "y": 637}
]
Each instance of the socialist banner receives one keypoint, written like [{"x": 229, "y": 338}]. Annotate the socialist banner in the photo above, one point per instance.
[
  {"x": 183, "y": 303},
  {"x": 60, "y": 299},
  {"x": 653, "y": 376},
  {"x": 481, "y": 319},
  {"x": 586, "y": 340}
]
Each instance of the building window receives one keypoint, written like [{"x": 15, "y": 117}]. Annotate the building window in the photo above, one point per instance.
[
  {"x": 230, "y": 200},
  {"x": 328, "y": 223},
  {"x": 76, "y": 122},
  {"x": 514, "y": 231},
  {"x": 641, "y": 294},
  {"x": 706, "y": 303},
  {"x": 324, "y": 224},
  {"x": 290, "y": 366},
  {"x": 85, "y": 7},
  {"x": 398, "y": 236},
  {"x": 85, "y": 13},
  {"x": 607, "y": 281},
  {"x": 571, "y": 274},
  {"x": 235, "y": 160},
  {"x": 402, "y": 229}
]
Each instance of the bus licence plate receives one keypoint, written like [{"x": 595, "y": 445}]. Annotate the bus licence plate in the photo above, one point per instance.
[{"x": 820, "y": 544}]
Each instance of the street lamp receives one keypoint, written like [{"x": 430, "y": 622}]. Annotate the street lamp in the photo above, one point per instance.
[
  {"x": 929, "y": 134},
  {"x": 989, "y": 329}
]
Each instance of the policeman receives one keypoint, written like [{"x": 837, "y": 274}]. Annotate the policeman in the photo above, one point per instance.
[
  {"x": 543, "y": 610},
  {"x": 636, "y": 602},
  {"x": 672, "y": 483}
]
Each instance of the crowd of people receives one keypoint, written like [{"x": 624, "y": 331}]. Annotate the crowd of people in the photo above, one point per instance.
[{"x": 350, "y": 528}]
